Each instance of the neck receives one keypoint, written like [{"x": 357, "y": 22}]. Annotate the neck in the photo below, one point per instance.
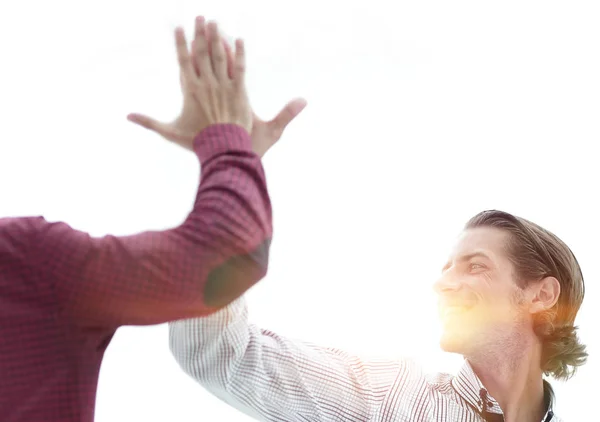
[{"x": 512, "y": 375}]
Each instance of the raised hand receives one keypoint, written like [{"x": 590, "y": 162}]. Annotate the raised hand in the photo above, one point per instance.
[
  {"x": 213, "y": 86},
  {"x": 265, "y": 133}
]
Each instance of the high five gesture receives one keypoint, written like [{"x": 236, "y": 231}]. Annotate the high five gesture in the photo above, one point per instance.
[{"x": 211, "y": 94}]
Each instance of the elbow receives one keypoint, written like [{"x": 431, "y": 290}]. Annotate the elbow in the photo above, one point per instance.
[
  {"x": 186, "y": 351},
  {"x": 235, "y": 276}
]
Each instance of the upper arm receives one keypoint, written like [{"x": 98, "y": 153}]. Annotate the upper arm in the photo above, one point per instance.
[{"x": 276, "y": 378}]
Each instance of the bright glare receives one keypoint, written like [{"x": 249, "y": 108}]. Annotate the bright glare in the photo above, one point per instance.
[{"x": 420, "y": 115}]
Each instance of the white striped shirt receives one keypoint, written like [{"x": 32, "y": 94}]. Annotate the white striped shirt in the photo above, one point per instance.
[{"x": 273, "y": 378}]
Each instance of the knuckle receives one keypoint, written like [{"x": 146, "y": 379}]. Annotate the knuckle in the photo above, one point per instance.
[
  {"x": 210, "y": 86},
  {"x": 202, "y": 84},
  {"x": 195, "y": 88}
]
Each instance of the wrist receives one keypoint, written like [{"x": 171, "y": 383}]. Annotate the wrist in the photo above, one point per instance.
[{"x": 221, "y": 138}]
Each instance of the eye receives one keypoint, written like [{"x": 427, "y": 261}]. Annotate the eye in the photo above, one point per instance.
[{"x": 476, "y": 267}]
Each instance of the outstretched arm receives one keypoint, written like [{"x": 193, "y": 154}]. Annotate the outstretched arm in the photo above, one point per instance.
[{"x": 273, "y": 378}]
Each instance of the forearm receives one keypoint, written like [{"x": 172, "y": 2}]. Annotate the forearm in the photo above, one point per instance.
[
  {"x": 232, "y": 216},
  {"x": 274, "y": 378}
]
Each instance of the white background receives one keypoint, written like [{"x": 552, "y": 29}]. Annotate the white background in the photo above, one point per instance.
[{"x": 420, "y": 115}]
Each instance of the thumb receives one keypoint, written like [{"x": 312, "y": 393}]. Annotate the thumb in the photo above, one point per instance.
[
  {"x": 169, "y": 131},
  {"x": 286, "y": 115},
  {"x": 148, "y": 123}
]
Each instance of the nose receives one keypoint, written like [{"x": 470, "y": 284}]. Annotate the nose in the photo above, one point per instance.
[{"x": 447, "y": 283}]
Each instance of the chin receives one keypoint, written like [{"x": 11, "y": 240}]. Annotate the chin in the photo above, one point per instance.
[
  {"x": 450, "y": 345},
  {"x": 452, "y": 342}
]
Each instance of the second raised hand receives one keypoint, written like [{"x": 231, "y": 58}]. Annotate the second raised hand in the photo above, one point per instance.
[{"x": 265, "y": 133}]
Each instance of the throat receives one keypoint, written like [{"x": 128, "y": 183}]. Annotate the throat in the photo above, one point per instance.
[{"x": 514, "y": 379}]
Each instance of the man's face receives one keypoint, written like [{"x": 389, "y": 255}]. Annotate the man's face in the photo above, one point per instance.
[{"x": 478, "y": 296}]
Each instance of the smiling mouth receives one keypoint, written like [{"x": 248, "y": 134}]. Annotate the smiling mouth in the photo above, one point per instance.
[
  {"x": 451, "y": 310},
  {"x": 448, "y": 311}
]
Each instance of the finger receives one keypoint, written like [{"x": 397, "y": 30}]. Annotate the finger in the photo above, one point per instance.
[
  {"x": 218, "y": 59},
  {"x": 286, "y": 115},
  {"x": 239, "y": 66},
  {"x": 183, "y": 56},
  {"x": 145, "y": 121},
  {"x": 229, "y": 54},
  {"x": 209, "y": 52},
  {"x": 209, "y": 44},
  {"x": 230, "y": 58},
  {"x": 166, "y": 130},
  {"x": 201, "y": 56},
  {"x": 194, "y": 62}
]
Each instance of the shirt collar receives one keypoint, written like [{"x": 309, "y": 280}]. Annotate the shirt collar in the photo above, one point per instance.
[{"x": 468, "y": 385}]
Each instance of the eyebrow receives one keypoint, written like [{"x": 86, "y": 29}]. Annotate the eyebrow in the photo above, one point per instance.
[{"x": 468, "y": 257}]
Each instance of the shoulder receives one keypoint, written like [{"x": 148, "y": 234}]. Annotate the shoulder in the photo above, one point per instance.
[
  {"x": 21, "y": 224},
  {"x": 20, "y": 256},
  {"x": 17, "y": 233},
  {"x": 412, "y": 375},
  {"x": 25, "y": 234},
  {"x": 439, "y": 379}
]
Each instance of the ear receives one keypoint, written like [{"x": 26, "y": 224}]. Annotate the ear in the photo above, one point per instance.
[{"x": 545, "y": 294}]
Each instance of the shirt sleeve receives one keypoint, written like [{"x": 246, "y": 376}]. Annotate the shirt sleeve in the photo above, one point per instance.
[
  {"x": 213, "y": 257},
  {"x": 273, "y": 378}
]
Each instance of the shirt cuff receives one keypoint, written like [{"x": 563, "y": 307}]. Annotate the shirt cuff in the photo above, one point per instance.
[{"x": 220, "y": 139}]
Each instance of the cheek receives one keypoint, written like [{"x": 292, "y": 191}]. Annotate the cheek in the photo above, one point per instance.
[
  {"x": 502, "y": 307},
  {"x": 484, "y": 286},
  {"x": 497, "y": 289},
  {"x": 500, "y": 300}
]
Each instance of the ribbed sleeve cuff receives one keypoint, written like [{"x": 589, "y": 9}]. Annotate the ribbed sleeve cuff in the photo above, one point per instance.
[{"x": 219, "y": 139}]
